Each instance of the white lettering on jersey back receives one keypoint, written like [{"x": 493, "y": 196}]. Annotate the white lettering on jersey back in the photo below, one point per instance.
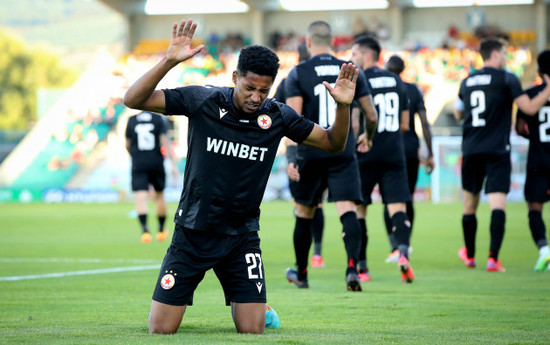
[
  {"x": 228, "y": 148},
  {"x": 324, "y": 70},
  {"x": 482, "y": 79},
  {"x": 144, "y": 117},
  {"x": 382, "y": 82}
]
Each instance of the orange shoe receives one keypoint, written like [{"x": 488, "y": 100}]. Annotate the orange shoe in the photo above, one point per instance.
[
  {"x": 161, "y": 236},
  {"x": 317, "y": 261},
  {"x": 404, "y": 265},
  {"x": 463, "y": 255},
  {"x": 494, "y": 266},
  {"x": 146, "y": 237},
  {"x": 364, "y": 276},
  {"x": 393, "y": 257}
]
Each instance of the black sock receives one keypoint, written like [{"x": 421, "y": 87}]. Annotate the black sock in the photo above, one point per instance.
[
  {"x": 538, "y": 229},
  {"x": 498, "y": 220},
  {"x": 410, "y": 214},
  {"x": 402, "y": 232},
  {"x": 302, "y": 244},
  {"x": 389, "y": 229},
  {"x": 469, "y": 229},
  {"x": 143, "y": 221},
  {"x": 364, "y": 244},
  {"x": 352, "y": 237},
  {"x": 161, "y": 223},
  {"x": 317, "y": 230}
]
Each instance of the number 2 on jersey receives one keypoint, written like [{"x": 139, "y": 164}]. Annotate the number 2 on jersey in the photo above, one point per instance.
[
  {"x": 477, "y": 100},
  {"x": 544, "y": 127}
]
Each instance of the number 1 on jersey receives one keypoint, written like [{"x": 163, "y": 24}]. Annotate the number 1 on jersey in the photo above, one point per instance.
[{"x": 327, "y": 105}]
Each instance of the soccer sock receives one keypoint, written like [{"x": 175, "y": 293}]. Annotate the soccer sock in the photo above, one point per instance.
[
  {"x": 469, "y": 229},
  {"x": 402, "y": 232},
  {"x": 364, "y": 244},
  {"x": 410, "y": 213},
  {"x": 538, "y": 230},
  {"x": 302, "y": 244},
  {"x": 317, "y": 230},
  {"x": 389, "y": 229},
  {"x": 143, "y": 221},
  {"x": 498, "y": 219},
  {"x": 161, "y": 223},
  {"x": 352, "y": 237}
]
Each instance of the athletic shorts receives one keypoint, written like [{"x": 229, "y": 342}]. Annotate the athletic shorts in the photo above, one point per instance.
[
  {"x": 339, "y": 174},
  {"x": 412, "y": 173},
  {"x": 142, "y": 178},
  {"x": 292, "y": 187},
  {"x": 391, "y": 179},
  {"x": 537, "y": 186},
  {"x": 496, "y": 168},
  {"x": 236, "y": 260}
]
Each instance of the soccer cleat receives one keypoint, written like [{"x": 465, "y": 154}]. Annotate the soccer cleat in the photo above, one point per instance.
[
  {"x": 352, "y": 280},
  {"x": 364, "y": 276},
  {"x": 271, "y": 318},
  {"x": 146, "y": 237},
  {"x": 404, "y": 265},
  {"x": 494, "y": 266},
  {"x": 463, "y": 255},
  {"x": 161, "y": 236},
  {"x": 393, "y": 257},
  {"x": 317, "y": 261},
  {"x": 543, "y": 263},
  {"x": 292, "y": 277}
]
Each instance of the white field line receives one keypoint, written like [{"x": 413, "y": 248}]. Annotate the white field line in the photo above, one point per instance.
[
  {"x": 77, "y": 273},
  {"x": 72, "y": 260}
]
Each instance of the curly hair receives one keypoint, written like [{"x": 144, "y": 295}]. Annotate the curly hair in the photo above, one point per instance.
[
  {"x": 258, "y": 59},
  {"x": 544, "y": 62}
]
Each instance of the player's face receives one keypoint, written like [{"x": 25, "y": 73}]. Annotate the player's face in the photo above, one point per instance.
[
  {"x": 358, "y": 56},
  {"x": 502, "y": 57},
  {"x": 251, "y": 90}
]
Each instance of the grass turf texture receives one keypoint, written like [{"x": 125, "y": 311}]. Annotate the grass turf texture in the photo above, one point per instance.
[{"x": 447, "y": 304}]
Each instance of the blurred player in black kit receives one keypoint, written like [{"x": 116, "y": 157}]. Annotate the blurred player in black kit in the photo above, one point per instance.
[
  {"x": 146, "y": 133},
  {"x": 294, "y": 175},
  {"x": 385, "y": 163},
  {"x": 234, "y": 133},
  {"x": 485, "y": 102},
  {"x": 318, "y": 170},
  {"x": 411, "y": 143},
  {"x": 537, "y": 181}
]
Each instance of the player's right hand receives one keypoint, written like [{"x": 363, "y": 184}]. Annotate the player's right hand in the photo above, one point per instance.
[
  {"x": 182, "y": 37},
  {"x": 363, "y": 144},
  {"x": 293, "y": 173}
]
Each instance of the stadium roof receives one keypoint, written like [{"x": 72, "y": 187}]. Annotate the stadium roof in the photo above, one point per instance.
[{"x": 131, "y": 7}]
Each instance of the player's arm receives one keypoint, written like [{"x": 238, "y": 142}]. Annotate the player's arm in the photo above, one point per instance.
[
  {"x": 521, "y": 127},
  {"x": 458, "y": 109},
  {"x": 427, "y": 134},
  {"x": 404, "y": 124},
  {"x": 142, "y": 94},
  {"x": 167, "y": 143},
  {"x": 355, "y": 120},
  {"x": 128, "y": 144},
  {"x": 333, "y": 139},
  {"x": 371, "y": 117}
]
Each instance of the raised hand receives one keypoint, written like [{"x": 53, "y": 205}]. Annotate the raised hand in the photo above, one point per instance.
[
  {"x": 344, "y": 88},
  {"x": 182, "y": 37}
]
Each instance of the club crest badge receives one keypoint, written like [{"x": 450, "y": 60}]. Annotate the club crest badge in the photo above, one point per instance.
[
  {"x": 167, "y": 281},
  {"x": 264, "y": 121}
]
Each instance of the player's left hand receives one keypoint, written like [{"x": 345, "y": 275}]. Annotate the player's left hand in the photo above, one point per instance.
[
  {"x": 429, "y": 165},
  {"x": 363, "y": 144},
  {"x": 344, "y": 88}
]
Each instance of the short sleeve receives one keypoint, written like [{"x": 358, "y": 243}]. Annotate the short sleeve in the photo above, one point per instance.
[
  {"x": 129, "y": 128},
  {"x": 298, "y": 128},
  {"x": 362, "y": 87},
  {"x": 513, "y": 84},
  {"x": 292, "y": 84},
  {"x": 420, "y": 99}
]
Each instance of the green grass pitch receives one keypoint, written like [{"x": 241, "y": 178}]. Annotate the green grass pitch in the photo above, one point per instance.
[{"x": 108, "y": 299}]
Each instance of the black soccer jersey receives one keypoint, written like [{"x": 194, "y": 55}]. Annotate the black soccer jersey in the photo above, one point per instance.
[
  {"x": 416, "y": 103},
  {"x": 280, "y": 94},
  {"x": 230, "y": 156},
  {"x": 144, "y": 130},
  {"x": 389, "y": 95},
  {"x": 488, "y": 95},
  {"x": 539, "y": 133},
  {"x": 306, "y": 80}
]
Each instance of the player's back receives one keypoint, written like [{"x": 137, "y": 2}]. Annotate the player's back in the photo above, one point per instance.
[
  {"x": 488, "y": 95},
  {"x": 390, "y": 99},
  {"x": 306, "y": 80},
  {"x": 539, "y": 133},
  {"x": 144, "y": 131}
]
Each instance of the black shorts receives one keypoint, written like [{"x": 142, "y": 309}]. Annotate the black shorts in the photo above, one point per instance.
[
  {"x": 339, "y": 174},
  {"x": 391, "y": 179},
  {"x": 141, "y": 178},
  {"x": 292, "y": 187},
  {"x": 236, "y": 260},
  {"x": 537, "y": 186},
  {"x": 412, "y": 173},
  {"x": 495, "y": 167}
]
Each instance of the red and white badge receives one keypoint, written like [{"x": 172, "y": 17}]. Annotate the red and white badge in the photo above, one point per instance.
[
  {"x": 264, "y": 121},
  {"x": 167, "y": 281}
]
